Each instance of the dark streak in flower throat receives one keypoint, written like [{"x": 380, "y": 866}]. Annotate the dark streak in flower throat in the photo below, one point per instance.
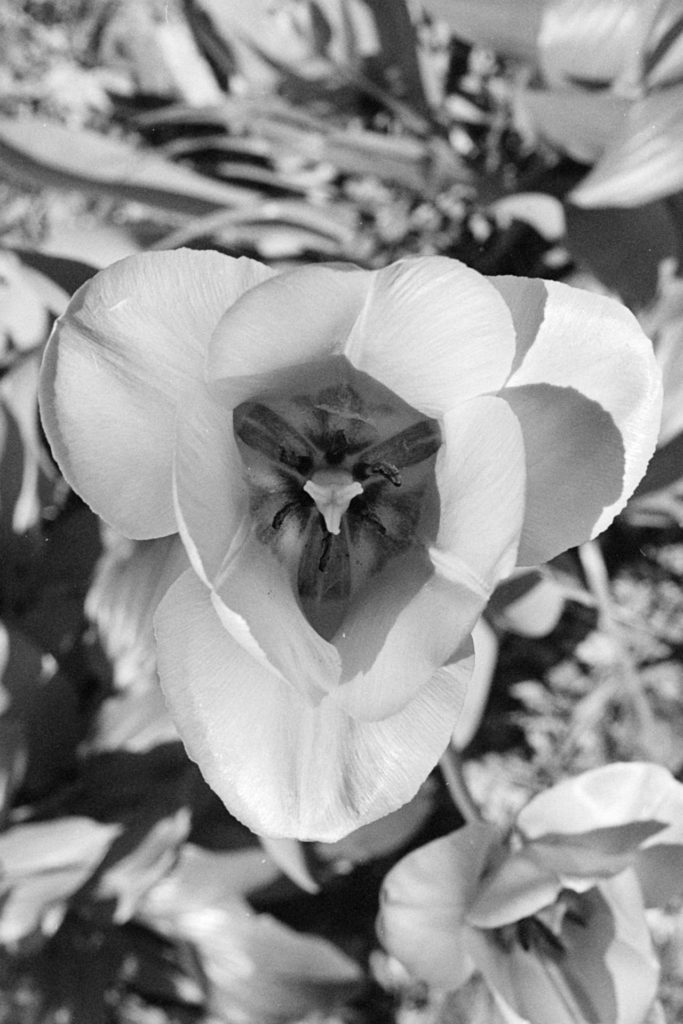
[{"x": 341, "y": 478}]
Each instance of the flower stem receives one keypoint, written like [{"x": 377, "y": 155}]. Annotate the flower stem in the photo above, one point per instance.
[{"x": 452, "y": 770}]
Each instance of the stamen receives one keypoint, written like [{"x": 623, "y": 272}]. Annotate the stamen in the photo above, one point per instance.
[
  {"x": 385, "y": 469},
  {"x": 332, "y": 491}
]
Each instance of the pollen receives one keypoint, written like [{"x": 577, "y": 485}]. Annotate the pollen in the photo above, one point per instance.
[{"x": 332, "y": 491}]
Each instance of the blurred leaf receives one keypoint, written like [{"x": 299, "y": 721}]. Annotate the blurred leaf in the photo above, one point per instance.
[
  {"x": 278, "y": 228},
  {"x": 163, "y": 970},
  {"x": 130, "y": 579},
  {"x": 19, "y": 398},
  {"x": 578, "y": 122},
  {"x": 135, "y": 719},
  {"x": 67, "y": 274},
  {"x": 297, "y": 974},
  {"x": 23, "y": 314},
  {"x": 624, "y": 247},
  {"x": 594, "y": 41},
  {"x": 543, "y": 212},
  {"x": 479, "y": 685},
  {"x": 51, "y": 156},
  {"x": 511, "y": 29},
  {"x": 530, "y": 604},
  {"x": 44, "y": 703},
  {"x": 644, "y": 161},
  {"x": 396, "y": 67},
  {"x": 290, "y": 856},
  {"x": 208, "y": 878},
  {"x": 42, "y": 865},
  {"x": 665, "y": 468},
  {"x": 127, "y": 878},
  {"x": 13, "y": 760}
]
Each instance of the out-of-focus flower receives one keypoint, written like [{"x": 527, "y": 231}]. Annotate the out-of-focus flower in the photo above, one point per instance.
[
  {"x": 256, "y": 969},
  {"x": 610, "y": 90},
  {"x": 42, "y": 864},
  {"x": 552, "y": 913},
  {"x": 352, "y": 460}
]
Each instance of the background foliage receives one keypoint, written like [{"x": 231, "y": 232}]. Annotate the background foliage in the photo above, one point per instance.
[{"x": 292, "y": 131}]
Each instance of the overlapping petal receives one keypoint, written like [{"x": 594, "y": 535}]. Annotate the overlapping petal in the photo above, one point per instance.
[
  {"x": 300, "y": 316},
  {"x": 210, "y": 495},
  {"x": 616, "y": 795},
  {"x": 129, "y": 343},
  {"x": 434, "y": 332},
  {"x": 410, "y": 623},
  {"x": 589, "y": 431},
  {"x": 425, "y": 899},
  {"x": 606, "y": 972},
  {"x": 283, "y": 765}
]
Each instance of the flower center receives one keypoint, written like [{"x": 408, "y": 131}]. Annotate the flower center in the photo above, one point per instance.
[
  {"x": 332, "y": 491},
  {"x": 341, "y": 480}
]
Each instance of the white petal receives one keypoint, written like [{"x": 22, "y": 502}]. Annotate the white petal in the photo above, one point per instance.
[
  {"x": 254, "y": 588},
  {"x": 301, "y": 316},
  {"x": 434, "y": 332},
  {"x": 280, "y": 764},
  {"x": 425, "y": 899},
  {"x": 592, "y": 346},
  {"x": 131, "y": 339},
  {"x": 210, "y": 493}
]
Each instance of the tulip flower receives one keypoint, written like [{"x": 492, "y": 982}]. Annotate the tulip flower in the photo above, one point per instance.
[
  {"x": 551, "y": 913},
  {"x": 352, "y": 459},
  {"x": 610, "y": 90}
]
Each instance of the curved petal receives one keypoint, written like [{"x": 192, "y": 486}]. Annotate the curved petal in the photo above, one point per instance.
[
  {"x": 280, "y": 764},
  {"x": 615, "y": 794},
  {"x": 410, "y": 622},
  {"x": 580, "y": 122},
  {"x": 606, "y": 970},
  {"x": 300, "y": 316},
  {"x": 480, "y": 476},
  {"x": 434, "y": 332},
  {"x": 255, "y": 590},
  {"x": 131, "y": 339},
  {"x": 401, "y": 632},
  {"x": 593, "y": 345},
  {"x": 210, "y": 494},
  {"x": 424, "y": 904},
  {"x": 574, "y": 468}
]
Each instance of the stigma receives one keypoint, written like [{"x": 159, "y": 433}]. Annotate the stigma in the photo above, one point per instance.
[{"x": 332, "y": 490}]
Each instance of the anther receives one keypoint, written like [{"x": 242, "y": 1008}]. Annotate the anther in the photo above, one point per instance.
[{"x": 386, "y": 469}]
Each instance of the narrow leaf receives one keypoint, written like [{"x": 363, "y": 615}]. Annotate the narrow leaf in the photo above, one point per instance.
[{"x": 52, "y": 156}]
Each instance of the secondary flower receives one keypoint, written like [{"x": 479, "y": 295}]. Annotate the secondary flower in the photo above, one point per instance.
[
  {"x": 352, "y": 460},
  {"x": 608, "y": 89},
  {"x": 550, "y": 913}
]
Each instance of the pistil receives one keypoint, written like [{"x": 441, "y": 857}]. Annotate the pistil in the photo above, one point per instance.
[{"x": 332, "y": 490}]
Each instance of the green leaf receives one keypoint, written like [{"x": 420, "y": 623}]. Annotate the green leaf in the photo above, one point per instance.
[
  {"x": 139, "y": 860},
  {"x": 41, "y": 866},
  {"x": 511, "y": 29},
  {"x": 44, "y": 704},
  {"x": 51, "y": 156},
  {"x": 644, "y": 162},
  {"x": 624, "y": 247}
]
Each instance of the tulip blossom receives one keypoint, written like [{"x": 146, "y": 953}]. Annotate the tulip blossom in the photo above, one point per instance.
[
  {"x": 609, "y": 87},
  {"x": 352, "y": 460},
  {"x": 550, "y": 913}
]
